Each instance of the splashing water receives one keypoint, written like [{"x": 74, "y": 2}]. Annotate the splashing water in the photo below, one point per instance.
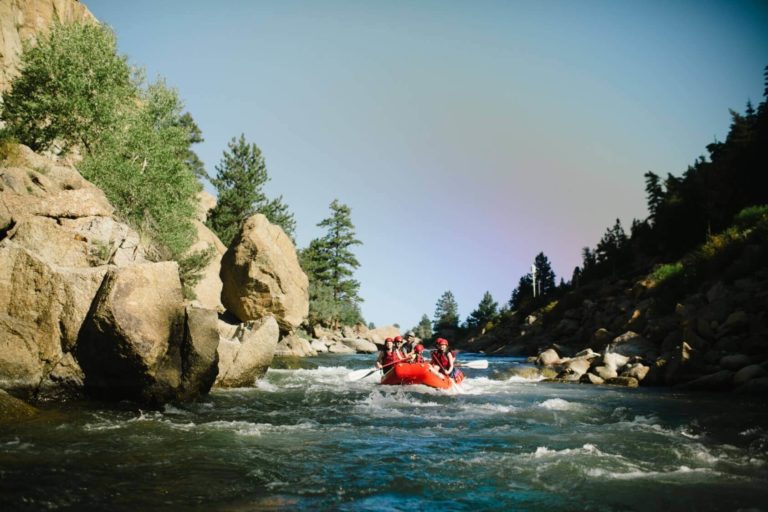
[{"x": 307, "y": 439}]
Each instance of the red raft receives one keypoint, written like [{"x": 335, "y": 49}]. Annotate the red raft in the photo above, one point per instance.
[{"x": 416, "y": 373}]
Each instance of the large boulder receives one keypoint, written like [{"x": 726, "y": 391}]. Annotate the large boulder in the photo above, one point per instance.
[
  {"x": 261, "y": 276},
  {"x": 361, "y": 346},
  {"x": 208, "y": 289},
  {"x": 246, "y": 357},
  {"x": 42, "y": 308},
  {"x": 135, "y": 342},
  {"x": 294, "y": 346},
  {"x": 380, "y": 334},
  {"x": 632, "y": 344}
]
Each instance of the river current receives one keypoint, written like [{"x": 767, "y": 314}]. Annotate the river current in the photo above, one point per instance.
[{"x": 307, "y": 439}]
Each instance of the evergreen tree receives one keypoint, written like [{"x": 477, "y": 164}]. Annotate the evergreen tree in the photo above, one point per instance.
[
  {"x": 521, "y": 294},
  {"x": 240, "y": 178},
  {"x": 446, "y": 319},
  {"x": 545, "y": 276},
  {"x": 424, "y": 329},
  {"x": 654, "y": 192},
  {"x": 330, "y": 264},
  {"x": 486, "y": 311}
]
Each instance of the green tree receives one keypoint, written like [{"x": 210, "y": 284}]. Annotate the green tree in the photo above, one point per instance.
[
  {"x": 446, "y": 319},
  {"x": 240, "y": 178},
  {"x": 487, "y": 311},
  {"x": 142, "y": 169},
  {"x": 424, "y": 329},
  {"x": 73, "y": 86},
  {"x": 545, "y": 276},
  {"x": 522, "y": 293},
  {"x": 330, "y": 264}
]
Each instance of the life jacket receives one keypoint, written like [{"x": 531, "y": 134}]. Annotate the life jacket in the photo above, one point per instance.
[
  {"x": 418, "y": 358},
  {"x": 441, "y": 360},
  {"x": 390, "y": 357}
]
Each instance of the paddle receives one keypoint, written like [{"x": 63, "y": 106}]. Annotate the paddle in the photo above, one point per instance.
[{"x": 361, "y": 374}]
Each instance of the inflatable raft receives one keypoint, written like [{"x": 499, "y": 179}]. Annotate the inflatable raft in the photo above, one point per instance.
[{"x": 416, "y": 373}]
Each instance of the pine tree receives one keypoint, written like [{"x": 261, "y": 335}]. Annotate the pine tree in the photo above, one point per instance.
[
  {"x": 424, "y": 329},
  {"x": 545, "y": 276},
  {"x": 654, "y": 193},
  {"x": 522, "y": 293},
  {"x": 446, "y": 319},
  {"x": 240, "y": 177},
  {"x": 330, "y": 264},
  {"x": 486, "y": 311}
]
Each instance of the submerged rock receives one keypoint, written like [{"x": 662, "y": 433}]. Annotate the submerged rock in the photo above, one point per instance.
[{"x": 13, "y": 410}]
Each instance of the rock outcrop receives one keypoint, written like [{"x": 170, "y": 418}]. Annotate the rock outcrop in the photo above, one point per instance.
[
  {"x": 22, "y": 20},
  {"x": 247, "y": 354},
  {"x": 262, "y": 277},
  {"x": 139, "y": 343},
  {"x": 57, "y": 239}
]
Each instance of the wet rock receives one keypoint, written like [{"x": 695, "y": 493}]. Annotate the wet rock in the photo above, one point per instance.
[
  {"x": 754, "y": 371},
  {"x": 246, "y": 357},
  {"x": 587, "y": 353},
  {"x": 628, "y": 382},
  {"x": 199, "y": 353},
  {"x": 13, "y": 410}
]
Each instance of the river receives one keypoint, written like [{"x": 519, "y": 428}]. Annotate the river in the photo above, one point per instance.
[{"x": 307, "y": 439}]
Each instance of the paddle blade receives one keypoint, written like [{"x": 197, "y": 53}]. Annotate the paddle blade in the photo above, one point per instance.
[
  {"x": 477, "y": 365},
  {"x": 360, "y": 374}
]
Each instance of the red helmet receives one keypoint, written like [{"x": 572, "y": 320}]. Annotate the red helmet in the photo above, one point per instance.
[
  {"x": 388, "y": 340},
  {"x": 442, "y": 341},
  {"x": 419, "y": 348},
  {"x": 398, "y": 339}
]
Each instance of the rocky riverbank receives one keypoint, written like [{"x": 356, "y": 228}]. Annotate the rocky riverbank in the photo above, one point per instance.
[{"x": 630, "y": 333}]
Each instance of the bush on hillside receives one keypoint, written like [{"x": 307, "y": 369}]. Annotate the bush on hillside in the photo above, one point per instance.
[{"x": 71, "y": 87}]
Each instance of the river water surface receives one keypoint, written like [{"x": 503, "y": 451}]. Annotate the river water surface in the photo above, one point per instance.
[{"x": 307, "y": 439}]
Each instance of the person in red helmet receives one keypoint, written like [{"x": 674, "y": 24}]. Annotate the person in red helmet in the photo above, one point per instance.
[
  {"x": 402, "y": 354},
  {"x": 417, "y": 356},
  {"x": 389, "y": 356},
  {"x": 442, "y": 361}
]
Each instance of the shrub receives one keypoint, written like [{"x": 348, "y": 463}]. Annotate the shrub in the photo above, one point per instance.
[
  {"x": 72, "y": 85},
  {"x": 664, "y": 272}
]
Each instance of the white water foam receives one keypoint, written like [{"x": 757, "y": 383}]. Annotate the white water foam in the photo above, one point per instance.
[{"x": 558, "y": 404}]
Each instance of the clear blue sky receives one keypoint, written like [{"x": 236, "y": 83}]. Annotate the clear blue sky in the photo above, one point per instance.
[{"x": 465, "y": 136}]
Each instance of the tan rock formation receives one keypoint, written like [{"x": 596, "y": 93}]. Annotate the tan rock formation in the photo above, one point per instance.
[
  {"x": 293, "y": 346},
  {"x": 261, "y": 276},
  {"x": 247, "y": 356},
  {"x": 21, "y": 20},
  {"x": 134, "y": 343},
  {"x": 208, "y": 289}
]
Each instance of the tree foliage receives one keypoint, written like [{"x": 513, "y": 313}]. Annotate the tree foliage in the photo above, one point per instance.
[
  {"x": 487, "y": 311},
  {"x": 545, "y": 283},
  {"x": 330, "y": 264},
  {"x": 142, "y": 169},
  {"x": 424, "y": 328},
  {"x": 446, "y": 319},
  {"x": 240, "y": 178},
  {"x": 73, "y": 86}
]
